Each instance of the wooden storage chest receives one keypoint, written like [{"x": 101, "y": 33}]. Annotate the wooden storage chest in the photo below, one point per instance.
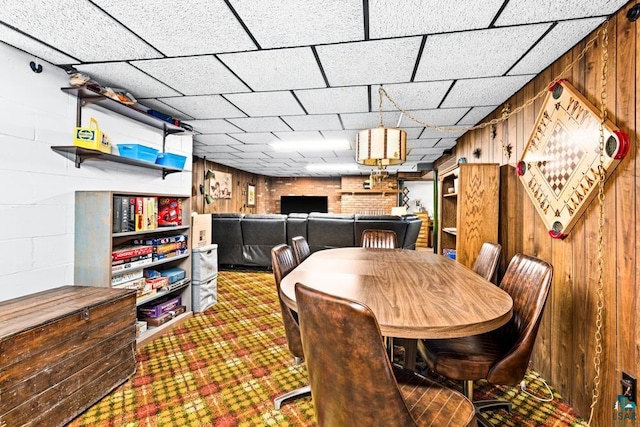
[{"x": 62, "y": 350}]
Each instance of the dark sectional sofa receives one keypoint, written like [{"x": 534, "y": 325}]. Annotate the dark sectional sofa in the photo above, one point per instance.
[{"x": 246, "y": 240}]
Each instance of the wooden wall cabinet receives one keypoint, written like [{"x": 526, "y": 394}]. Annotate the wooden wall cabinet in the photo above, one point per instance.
[
  {"x": 468, "y": 212},
  {"x": 95, "y": 239}
]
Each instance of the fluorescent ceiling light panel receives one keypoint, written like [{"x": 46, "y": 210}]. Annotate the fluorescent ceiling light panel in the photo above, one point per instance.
[{"x": 326, "y": 145}]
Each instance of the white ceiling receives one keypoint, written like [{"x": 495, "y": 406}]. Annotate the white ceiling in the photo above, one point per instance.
[{"x": 247, "y": 73}]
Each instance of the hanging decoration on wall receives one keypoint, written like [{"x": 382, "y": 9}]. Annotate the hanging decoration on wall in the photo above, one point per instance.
[
  {"x": 220, "y": 185},
  {"x": 560, "y": 165}
]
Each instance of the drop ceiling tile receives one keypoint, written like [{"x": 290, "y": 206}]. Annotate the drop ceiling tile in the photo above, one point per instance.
[
  {"x": 193, "y": 27},
  {"x": 260, "y": 104},
  {"x": 194, "y": 75},
  {"x": 219, "y": 148},
  {"x": 255, "y": 137},
  {"x": 481, "y": 53},
  {"x": 410, "y": 96},
  {"x": 391, "y": 18},
  {"x": 125, "y": 76},
  {"x": 560, "y": 39},
  {"x": 525, "y": 11},
  {"x": 164, "y": 108},
  {"x": 421, "y": 143},
  {"x": 349, "y": 135},
  {"x": 426, "y": 151},
  {"x": 369, "y": 62},
  {"x": 216, "y": 139},
  {"x": 34, "y": 47},
  {"x": 77, "y": 28},
  {"x": 253, "y": 155},
  {"x": 283, "y": 155},
  {"x": 446, "y": 143},
  {"x": 360, "y": 121},
  {"x": 279, "y": 69},
  {"x": 252, "y": 148},
  {"x": 438, "y": 117},
  {"x": 286, "y": 23},
  {"x": 435, "y": 133},
  {"x": 217, "y": 156},
  {"x": 213, "y": 126},
  {"x": 335, "y": 100},
  {"x": 476, "y": 114},
  {"x": 204, "y": 107},
  {"x": 260, "y": 124},
  {"x": 306, "y": 136},
  {"x": 314, "y": 122},
  {"x": 481, "y": 92}
]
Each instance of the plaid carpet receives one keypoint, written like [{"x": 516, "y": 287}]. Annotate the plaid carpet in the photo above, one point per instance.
[{"x": 223, "y": 368}]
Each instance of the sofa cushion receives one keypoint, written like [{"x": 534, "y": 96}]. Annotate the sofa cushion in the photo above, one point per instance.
[
  {"x": 380, "y": 222},
  {"x": 296, "y": 226},
  {"x": 326, "y": 231},
  {"x": 227, "y": 234},
  {"x": 260, "y": 233}
]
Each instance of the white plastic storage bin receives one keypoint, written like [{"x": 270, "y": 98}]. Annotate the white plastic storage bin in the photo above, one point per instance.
[
  {"x": 204, "y": 294},
  {"x": 204, "y": 263}
]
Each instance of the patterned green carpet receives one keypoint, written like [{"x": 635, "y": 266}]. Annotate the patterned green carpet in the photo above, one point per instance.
[{"x": 223, "y": 368}]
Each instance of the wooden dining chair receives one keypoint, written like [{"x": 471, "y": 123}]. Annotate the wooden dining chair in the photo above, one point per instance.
[
  {"x": 283, "y": 262},
  {"x": 352, "y": 381},
  {"x": 487, "y": 261},
  {"x": 300, "y": 248},
  {"x": 381, "y": 239},
  {"x": 500, "y": 356}
]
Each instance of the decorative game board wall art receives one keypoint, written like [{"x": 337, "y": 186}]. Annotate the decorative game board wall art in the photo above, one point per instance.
[{"x": 559, "y": 166}]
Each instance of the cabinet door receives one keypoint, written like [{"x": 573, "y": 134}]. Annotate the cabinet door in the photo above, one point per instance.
[{"x": 477, "y": 222}]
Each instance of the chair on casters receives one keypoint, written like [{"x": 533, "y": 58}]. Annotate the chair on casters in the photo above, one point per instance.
[
  {"x": 487, "y": 261},
  {"x": 500, "y": 356},
  {"x": 352, "y": 381},
  {"x": 300, "y": 248},
  {"x": 381, "y": 239},
  {"x": 283, "y": 261}
]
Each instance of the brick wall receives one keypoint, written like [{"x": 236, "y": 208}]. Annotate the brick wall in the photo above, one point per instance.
[
  {"x": 272, "y": 188},
  {"x": 375, "y": 202}
]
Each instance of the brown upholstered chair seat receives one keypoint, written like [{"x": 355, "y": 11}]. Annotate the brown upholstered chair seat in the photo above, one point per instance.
[
  {"x": 352, "y": 380},
  {"x": 432, "y": 404},
  {"x": 469, "y": 358}
]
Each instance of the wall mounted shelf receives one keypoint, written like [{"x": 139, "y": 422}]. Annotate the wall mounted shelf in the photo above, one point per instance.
[
  {"x": 87, "y": 96},
  {"x": 79, "y": 155},
  {"x": 383, "y": 192}
]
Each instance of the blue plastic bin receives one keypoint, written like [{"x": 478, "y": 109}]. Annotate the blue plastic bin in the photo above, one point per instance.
[
  {"x": 138, "y": 152},
  {"x": 171, "y": 160}
]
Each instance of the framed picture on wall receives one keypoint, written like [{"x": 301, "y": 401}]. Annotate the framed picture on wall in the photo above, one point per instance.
[
  {"x": 220, "y": 185},
  {"x": 251, "y": 195}
]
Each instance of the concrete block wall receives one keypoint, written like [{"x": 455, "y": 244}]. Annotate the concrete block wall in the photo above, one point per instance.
[{"x": 37, "y": 185}]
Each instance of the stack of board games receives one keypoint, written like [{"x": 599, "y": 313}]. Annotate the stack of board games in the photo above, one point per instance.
[
  {"x": 160, "y": 311},
  {"x": 135, "y": 213},
  {"x": 165, "y": 247}
]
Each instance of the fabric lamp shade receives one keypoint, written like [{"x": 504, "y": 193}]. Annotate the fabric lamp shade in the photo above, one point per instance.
[{"x": 381, "y": 147}]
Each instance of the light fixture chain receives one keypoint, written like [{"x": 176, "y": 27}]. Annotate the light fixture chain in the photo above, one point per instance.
[
  {"x": 597, "y": 359},
  {"x": 504, "y": 117},
  {"x": 380, "y": 92}
]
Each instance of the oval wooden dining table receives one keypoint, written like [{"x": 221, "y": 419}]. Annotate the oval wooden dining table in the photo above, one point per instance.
[{"x": 413, "y": 294}]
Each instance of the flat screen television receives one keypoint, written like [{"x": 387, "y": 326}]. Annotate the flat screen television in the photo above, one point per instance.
[{"x": 303, "y": 204}]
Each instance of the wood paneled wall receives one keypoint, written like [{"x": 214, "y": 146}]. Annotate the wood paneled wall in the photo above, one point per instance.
[
  {"x": 565, "y": 347},
  {"x": 238, "y": 201}
]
